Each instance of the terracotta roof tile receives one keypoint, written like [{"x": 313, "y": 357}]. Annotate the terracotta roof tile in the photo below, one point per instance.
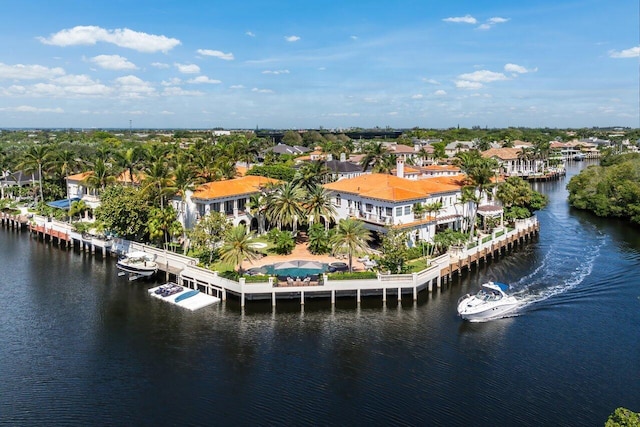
[
  {"x": 233, "y": 187},
  {"x": 392, "y": 188}
]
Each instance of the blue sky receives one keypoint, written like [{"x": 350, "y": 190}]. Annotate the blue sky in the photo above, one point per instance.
[{"x": 310, "y": 64}]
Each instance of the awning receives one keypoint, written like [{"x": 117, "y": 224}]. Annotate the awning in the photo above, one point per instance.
[{"x": 64, "y": 203}]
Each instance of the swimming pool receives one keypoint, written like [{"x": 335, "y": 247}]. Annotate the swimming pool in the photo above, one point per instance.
[{"x": 293, "y": 269}]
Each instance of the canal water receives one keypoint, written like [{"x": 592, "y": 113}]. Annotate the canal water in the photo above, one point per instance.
[{"x": 81, "y": 346}]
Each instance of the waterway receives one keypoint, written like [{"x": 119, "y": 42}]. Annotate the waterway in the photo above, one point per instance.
[{"x": 81, "y": 346}]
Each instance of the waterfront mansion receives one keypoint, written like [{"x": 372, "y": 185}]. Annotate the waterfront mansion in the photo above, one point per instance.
[{"x": 379, "y": 200}]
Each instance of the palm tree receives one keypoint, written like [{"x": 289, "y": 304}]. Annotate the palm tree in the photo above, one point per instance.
[
  {"x": 373, "y": 154},
  {"x": 319, "y": 205},
  {"x": 434, "y": 208},
  {"x": 130, "y": 160},
  {"x": 102, "y": 175},
  {"x": 237, "y": 247},
  {"x": 257, "y": 209},
  {"x": 311, "y": 174},
  {"x": 286, "y": 205},
  {"x": 37, "y": 158},
  {"x": 351, "y": 236},
  {"x": 157, "y": 181}
]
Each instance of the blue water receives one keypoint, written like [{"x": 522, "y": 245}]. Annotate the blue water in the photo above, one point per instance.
[{"x": 80, "y": 346}]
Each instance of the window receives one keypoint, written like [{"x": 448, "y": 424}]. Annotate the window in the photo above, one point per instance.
[
  {"x": 201, "y": 210},
  {"x": 368, "y": 207},
  {"x": 338, "y": 200},
  {"x": 388, "y": 211},
  {"x": 399, "y": 211},
  {"x": 407, "y": 210}
]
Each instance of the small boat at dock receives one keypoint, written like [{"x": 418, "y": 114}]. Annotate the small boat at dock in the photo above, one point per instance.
[{"x": 138, "y": 264}]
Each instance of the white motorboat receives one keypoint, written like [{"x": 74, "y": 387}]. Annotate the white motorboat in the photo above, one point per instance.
[
  {"x": 491, "y": 302},
  {"x": 137, "y": 264}
]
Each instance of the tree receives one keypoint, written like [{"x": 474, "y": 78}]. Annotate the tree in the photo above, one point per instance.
[
  {"x": 124, "y": 211},
  {"x": 163, "y": 224},
  {"x": 285, "y": 206},
  {"x": 394, "y": 251},
  {"x": 237, "y": 247},
  {"x": 515, "y": 192},
  {"x": 351, "y": 237},
  {"x": 101, "y": 176},
  {"x": 36, "y": 159},
  {"x": 79, "y": 208},
  {"x": 157, "y": 181},
  {"x": 623, "y": 417},
  {"x": 292, "y": 138},
  {"x": 208, "y": 233},
  {"x": 319, "y": 205},
  {"x": 374, "y": 152},
  {"x": 318, "y": 239}
]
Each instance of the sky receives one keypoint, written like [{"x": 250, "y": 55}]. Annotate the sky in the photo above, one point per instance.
[{"x": 319, "y": 64}]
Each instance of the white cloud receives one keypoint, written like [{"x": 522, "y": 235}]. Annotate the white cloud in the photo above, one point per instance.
[
  {"x": 203, "y": 79},
  {"x": 276, "y": 72},
  {"x": 236, "y": 87},
  {"x": 292, "y": 38},
  {"x": 491, "y": 22},
  {"x": 160, "y": 65},
  {"x": 417, "y": 96},
  {"x": 28, "y": 72},
  {"x": 250, "y": 34},
  {"x": 466, "y": 84},
  {"x": 113, "y": 62},
  {"x": 632, "y": 52},
  {"x": 255, "y": 89},
  {"x": 174, "y": 81},
  {"x": 122, "y": 37},
  {"x": 497, "y": 20},
  {"x": 134, "y": 87},
  {"x": 30, "y": 109},
  {"x": 431, "y": 81},
  {"x": 187, "y": 68},
  {"x": 216, "y": 54},
  {"x": 440, "y": 92},
  {"x": 467, "y": 19},
  {"x": 178, "y": 91},
  {"x": 482, "y": 76},
  {"x": 354, "y": 37},
  {"x": 518, "y": 69}
]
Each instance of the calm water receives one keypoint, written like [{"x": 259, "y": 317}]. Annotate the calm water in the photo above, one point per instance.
[{"x": 81, "y": 346}]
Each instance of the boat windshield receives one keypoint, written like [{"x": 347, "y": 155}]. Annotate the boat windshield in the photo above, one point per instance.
[{"x": 488, "y": 295}]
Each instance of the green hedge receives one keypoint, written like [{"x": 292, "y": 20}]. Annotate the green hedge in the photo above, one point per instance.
[{"x": 355, "y": 275}]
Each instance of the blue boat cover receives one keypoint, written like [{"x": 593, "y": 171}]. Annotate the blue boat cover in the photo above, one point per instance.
[
  {"x": 186, "y": 295},
  {"x": 502, "y": 286},
  {"x": 64, "y": 203}
]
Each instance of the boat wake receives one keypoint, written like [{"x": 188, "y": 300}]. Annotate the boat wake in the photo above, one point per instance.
[{"x": 558, "y": 272}]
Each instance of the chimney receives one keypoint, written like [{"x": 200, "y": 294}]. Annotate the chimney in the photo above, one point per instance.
[
  {"x": 400, "y": 167},
  {"x": 343, "y": 157}
]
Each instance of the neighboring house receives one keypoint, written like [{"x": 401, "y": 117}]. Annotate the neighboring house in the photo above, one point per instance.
[
  {"x": 230, "y": 197},
  {"x": 10, "y": 182},
  {"x": 455, "y": 147},
  {"x": 287, "y": 149},
  {"x": 382, "y": 201},
  {"x": 514, "y": 163},
  {"x": 77, "y": 186},
  {"x": 343, "y": 168}
]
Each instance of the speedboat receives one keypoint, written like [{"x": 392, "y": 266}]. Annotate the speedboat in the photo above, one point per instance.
[
  {"x": 491, "y": 302},
  {"x": 138, "y": 264}
]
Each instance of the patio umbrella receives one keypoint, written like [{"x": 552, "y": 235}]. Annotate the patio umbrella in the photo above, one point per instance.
[{"x": 311, "y": 265}]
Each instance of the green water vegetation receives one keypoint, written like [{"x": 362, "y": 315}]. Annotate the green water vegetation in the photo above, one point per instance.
[
  {"x": 611, "y": 189},
  {"x": 623, "y": 417}
]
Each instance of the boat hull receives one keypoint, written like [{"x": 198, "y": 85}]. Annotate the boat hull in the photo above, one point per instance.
[
  {"x": 140, "y": 270},
  {"x": 483, "y": 312}
]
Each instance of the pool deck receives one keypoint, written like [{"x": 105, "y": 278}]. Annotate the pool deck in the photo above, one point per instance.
[{"x": 301, "y": 252}]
